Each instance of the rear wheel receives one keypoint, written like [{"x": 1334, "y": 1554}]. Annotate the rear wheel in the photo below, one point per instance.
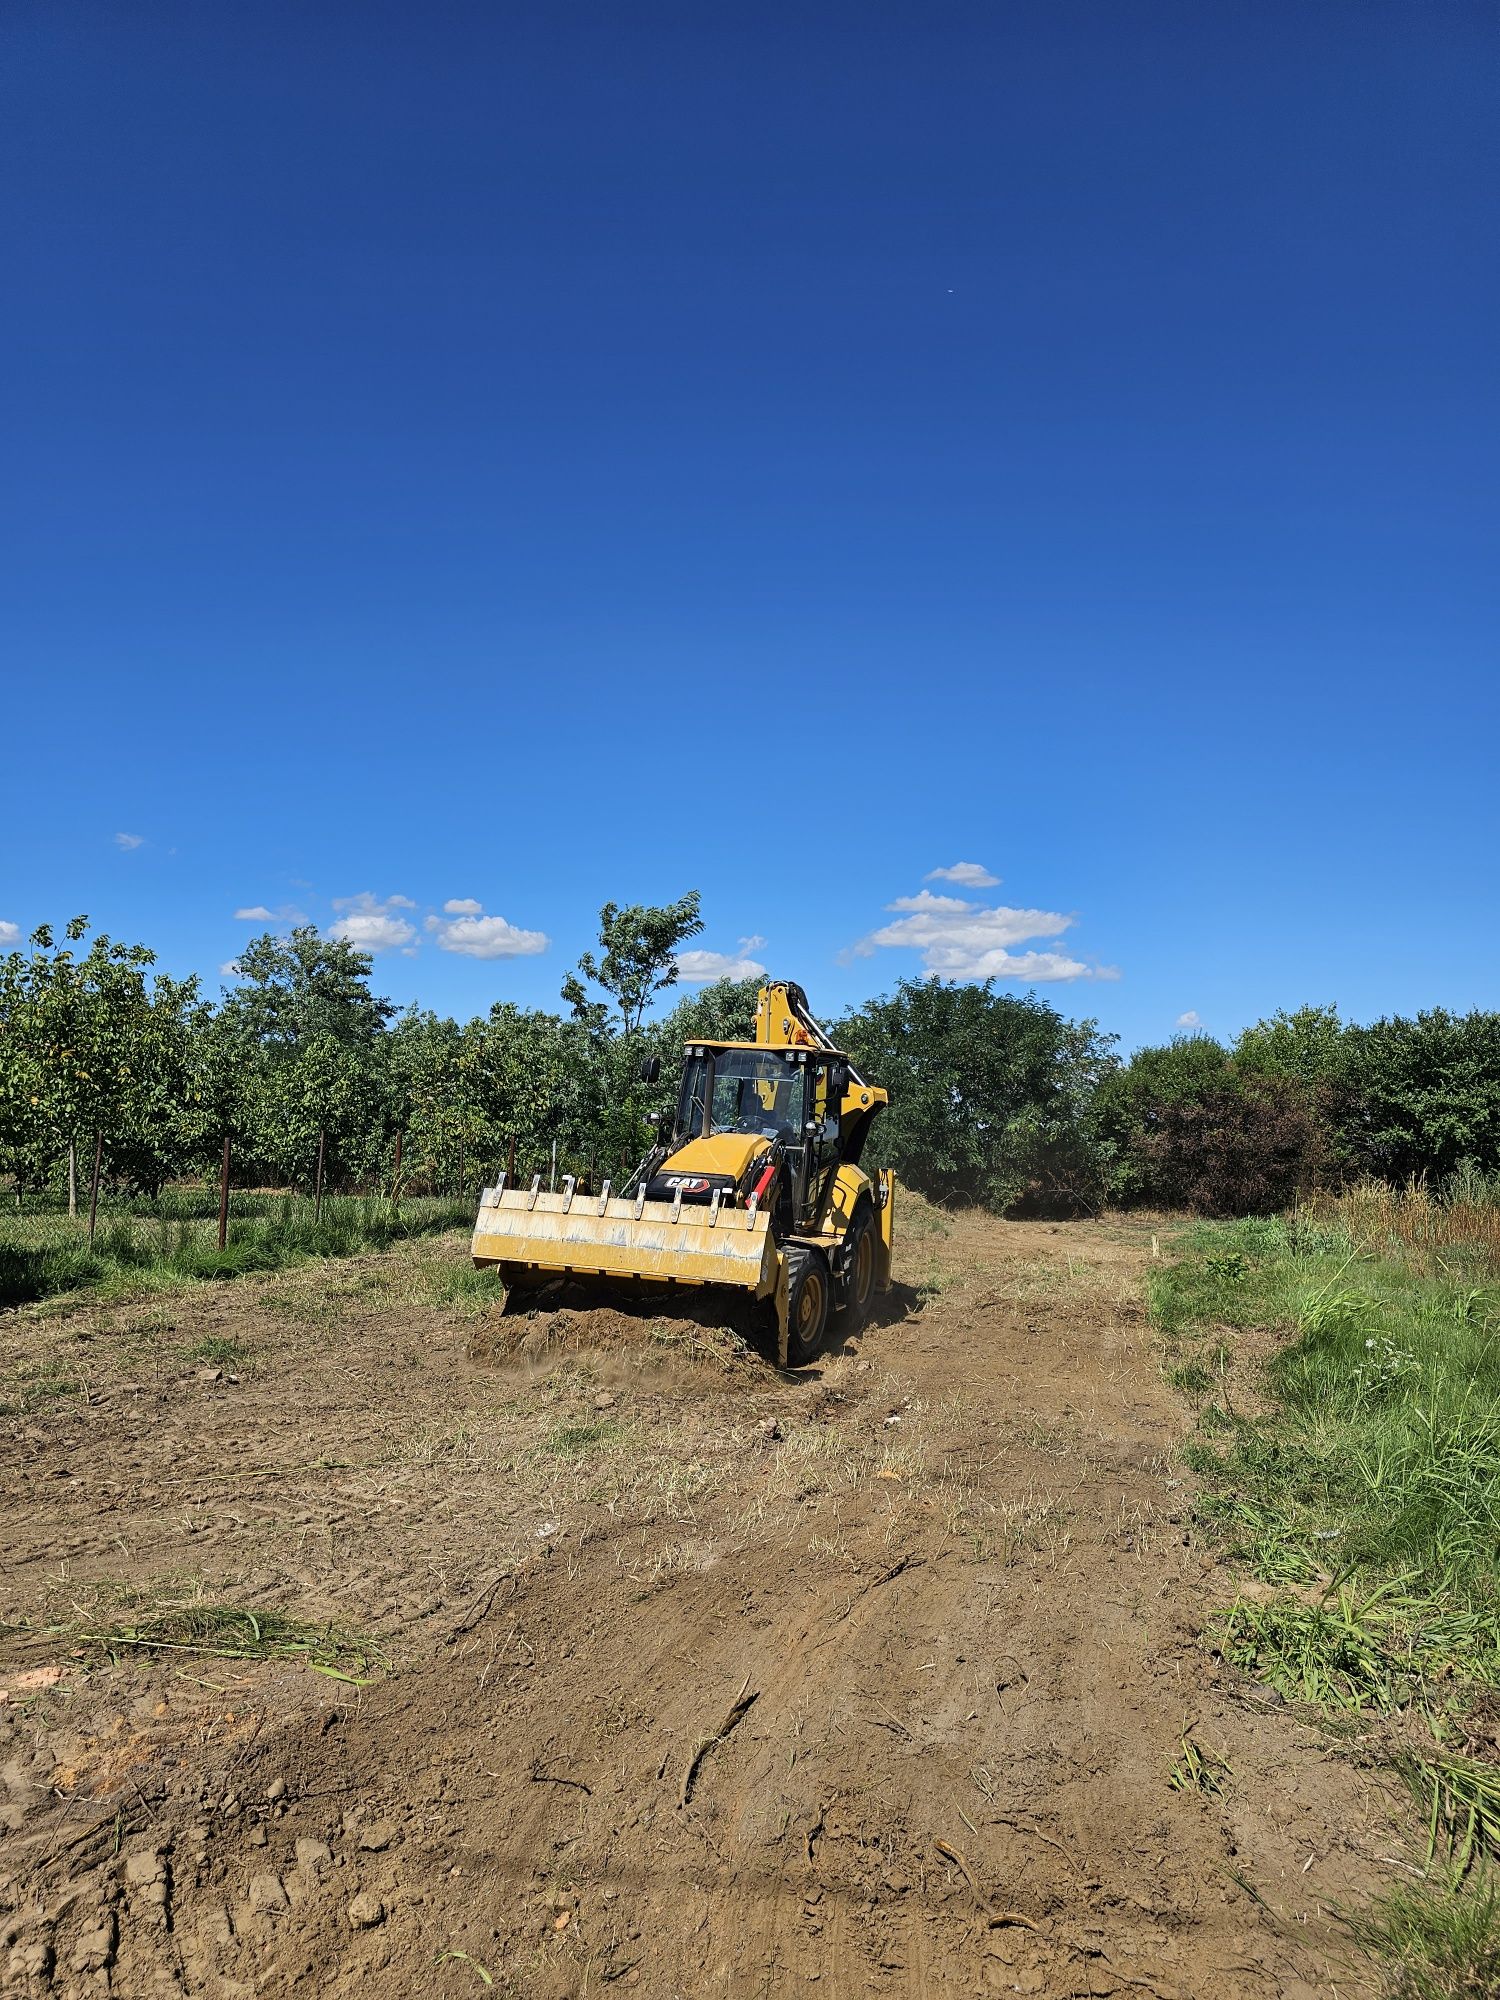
[
  {"x": 859, "y": 1273},
  {"x": 808, "y": 1291}
]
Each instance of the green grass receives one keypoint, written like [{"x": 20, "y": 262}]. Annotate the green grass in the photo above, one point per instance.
[
  {"x": 1199, "y": 1769},
  {"x": 1378, "y": 1460},
  {"x": 1354, "y": 1466},
  {"x": 234, "y": 1632},
  {"x": 44, "y": 1256},
  {"x": 50, "y": 1383},
  {"x": 1436, "y": 1940},
  {"x": 578, "y": 1440},
  {"x": 216, "y": 1350},
  {"x": 473, "y": 1291}
]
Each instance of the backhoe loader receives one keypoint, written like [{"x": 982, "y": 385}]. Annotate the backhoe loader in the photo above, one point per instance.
[{"x": 757, "y": 1186}]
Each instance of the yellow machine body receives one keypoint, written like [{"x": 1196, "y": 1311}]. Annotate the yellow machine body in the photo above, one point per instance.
[{"x": 535, "y": 1235}]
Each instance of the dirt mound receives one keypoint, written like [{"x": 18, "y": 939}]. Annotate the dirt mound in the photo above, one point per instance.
[{"x": 570, "y": 1319}]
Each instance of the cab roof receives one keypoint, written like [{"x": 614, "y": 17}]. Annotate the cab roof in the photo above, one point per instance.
[{"x": 807, "y": 1050}]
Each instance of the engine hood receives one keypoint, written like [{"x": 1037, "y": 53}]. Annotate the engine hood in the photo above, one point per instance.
[{"x": 725, "y": 1158}]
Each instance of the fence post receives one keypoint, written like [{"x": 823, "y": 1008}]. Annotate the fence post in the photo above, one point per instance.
[
  {"x": 396, "y": 1173},
  {"x": 510, "y": 1162},
  {"x": 72, "y": 1180},
  {"x": 224, "y": 1196},
  {"x": 94, "y": 1187},
  {"x": 318, "y": 1193}
]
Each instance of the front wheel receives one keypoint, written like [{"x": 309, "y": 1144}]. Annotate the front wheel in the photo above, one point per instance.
[
  {"x": 859, "y": 1273},
  {"x": 807, "y": 1299}
]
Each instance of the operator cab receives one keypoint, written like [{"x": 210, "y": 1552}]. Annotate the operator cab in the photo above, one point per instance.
[
  {"x": 781, "y": 1102},
  {"x": 755, "y": 1091}
]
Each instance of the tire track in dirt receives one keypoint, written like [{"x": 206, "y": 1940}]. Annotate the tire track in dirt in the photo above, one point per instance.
[{"x": 963, "y": 1587}]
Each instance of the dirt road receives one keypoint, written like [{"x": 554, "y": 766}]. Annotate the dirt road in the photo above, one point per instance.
[{"x": 700, "y": 1681}]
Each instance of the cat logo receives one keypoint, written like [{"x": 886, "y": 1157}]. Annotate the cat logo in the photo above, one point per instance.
[{"x": 685, "y": 1184}]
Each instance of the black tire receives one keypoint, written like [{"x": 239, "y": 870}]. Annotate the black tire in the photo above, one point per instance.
[
  {"x": 809, "y": 1292},
  {"x": 859, "y": 1272}
]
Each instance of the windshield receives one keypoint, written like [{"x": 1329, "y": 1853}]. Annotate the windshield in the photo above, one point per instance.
[{"x": 755, "y": 1090}]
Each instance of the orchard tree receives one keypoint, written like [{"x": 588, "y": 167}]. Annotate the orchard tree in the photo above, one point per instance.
[
  {"x": 93, "y": 1046},
  {"x": 437, "y": 1084},
  {"x": 311, "y": 1036},
  {"x": 538, "y": 1078}
]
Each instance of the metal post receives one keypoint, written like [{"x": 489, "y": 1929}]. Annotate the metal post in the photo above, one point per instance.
[
  {"x": 94, "y": 1186},
  {"x": 224, "y": 1196},
  {"x": 510, "y": 1162},
  {"x": 396, "y": 1173},
  {"x": 72, "y": 1180},
  {"x": 318, "y": 1195}
]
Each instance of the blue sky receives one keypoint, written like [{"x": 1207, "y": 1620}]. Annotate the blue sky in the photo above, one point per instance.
[{"x": 512, "y": 456}]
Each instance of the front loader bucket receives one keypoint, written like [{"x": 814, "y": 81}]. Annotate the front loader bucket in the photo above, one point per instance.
[{"x": 661, "y": 1242}]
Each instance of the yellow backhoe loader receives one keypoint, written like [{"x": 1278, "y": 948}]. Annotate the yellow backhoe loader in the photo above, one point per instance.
[{"x": 758, "y": 1187}]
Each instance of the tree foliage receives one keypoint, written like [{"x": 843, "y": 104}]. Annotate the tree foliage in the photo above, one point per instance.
[
  {"x": 989, "y": 1093},
  {"x": 1422, "y": 1097},
  {"x": 638, "y": 961},
  {"x": 996, "y": 1098}
]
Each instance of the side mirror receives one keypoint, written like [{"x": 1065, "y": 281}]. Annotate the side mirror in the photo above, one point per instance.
[
  {"x": 838, "y": 1078},
  {"x": 650, "y": 1069}
]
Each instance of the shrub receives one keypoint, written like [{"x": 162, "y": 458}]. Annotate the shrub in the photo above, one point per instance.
[
  {"x": 1246, "y": 1147},
  {"x": 1422, "y": 1097}
]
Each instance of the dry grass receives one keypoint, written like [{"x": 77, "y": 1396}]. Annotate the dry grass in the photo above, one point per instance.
[{"x": 1438, "y": 1237}]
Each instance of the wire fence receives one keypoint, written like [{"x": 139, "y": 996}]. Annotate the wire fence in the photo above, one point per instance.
[
  {"x": 85, "y": 1231},
  {"x": 43, "y": 1253}
]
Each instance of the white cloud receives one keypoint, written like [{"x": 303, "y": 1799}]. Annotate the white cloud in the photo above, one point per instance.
[
  {"x": 130, "y": 840},
  {"x": 230, "y": 969},
  {"x": 699, "y": 967},
  {"x": 473, "y": 935},
  {"x": 964, "y": 940},
  {"x": 1191, "y": 1019},
  {"x": 752, "y": 943},
  {"x": 254, "y": 913},
  {"x": 925, "y": 900},
  {"x": 10, "y": 934},
  {"x": 968, "y": 875},
  {"x": 370, "y": 924}
]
